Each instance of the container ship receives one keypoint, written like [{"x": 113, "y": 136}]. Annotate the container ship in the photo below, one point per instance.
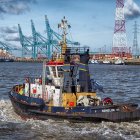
[{"x": 5, "y": 56}]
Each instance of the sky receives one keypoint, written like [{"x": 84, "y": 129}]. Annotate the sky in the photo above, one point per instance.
[{"x": 92, "y": 21}]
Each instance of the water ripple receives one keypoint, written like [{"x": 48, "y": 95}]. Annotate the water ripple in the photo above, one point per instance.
[{"x": 121, "y": 83}]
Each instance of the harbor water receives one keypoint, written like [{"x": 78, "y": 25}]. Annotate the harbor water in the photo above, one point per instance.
[{"x": 120, "y": 82}]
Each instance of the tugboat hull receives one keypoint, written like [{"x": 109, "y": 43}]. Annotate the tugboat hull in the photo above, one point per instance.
[{"x": 39, "y": 110}]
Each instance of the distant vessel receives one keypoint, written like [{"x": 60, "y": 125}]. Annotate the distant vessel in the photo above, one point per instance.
[
  {"x": 5, "y": 56},
  {"x": 106, "y": 62},
  {"x": 94, "y": 62},
  {"x": 6, "y": 60},
  {"x": 119, "y": 61}
]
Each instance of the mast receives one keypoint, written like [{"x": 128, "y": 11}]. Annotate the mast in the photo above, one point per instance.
[{"x": 64, "y": 26}]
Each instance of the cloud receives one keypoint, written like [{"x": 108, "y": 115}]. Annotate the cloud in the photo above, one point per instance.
[
  {"x": 9, "y": 33},
  {"x": 131, "y": 10},
  {"x": 9, "y": 30},
  {"x": 12, "y": 38},
  {"x": 15, "y": 7}
]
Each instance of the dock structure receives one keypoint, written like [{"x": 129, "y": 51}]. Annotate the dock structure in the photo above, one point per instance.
[
  {"x": 131, "y": 61},
  {"x": 30, "y": 60}
]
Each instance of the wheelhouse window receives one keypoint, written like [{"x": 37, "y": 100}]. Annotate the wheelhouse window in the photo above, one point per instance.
[
  {"x": 47, "y": 71},
  {"x": 60, "y": 71},
  {"x": 53, "y": 70}
]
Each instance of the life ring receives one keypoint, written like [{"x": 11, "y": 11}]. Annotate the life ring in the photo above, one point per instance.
[{"x": 107, "y": 101}]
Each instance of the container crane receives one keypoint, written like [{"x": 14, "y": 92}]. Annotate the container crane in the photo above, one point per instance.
[
  {"x": 26, "y": 43},
  {"x": 39, "y": 44},
  {"x": 7, "y": 47}
]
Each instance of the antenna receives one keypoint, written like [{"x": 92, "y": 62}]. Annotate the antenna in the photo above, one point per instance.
[
  {"x": 135, "y": 48},
  {"x": 64, "y": 26}
]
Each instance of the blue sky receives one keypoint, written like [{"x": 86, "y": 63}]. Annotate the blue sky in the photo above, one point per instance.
[{"x": 92, "y": 21}]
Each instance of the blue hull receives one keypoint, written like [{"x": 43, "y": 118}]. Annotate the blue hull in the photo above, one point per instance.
[{"x": 29, "y": 107}]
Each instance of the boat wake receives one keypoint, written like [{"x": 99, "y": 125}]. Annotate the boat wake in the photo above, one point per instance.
[
  {"x": 50, "y": 129},
  {"x": 6, "y": 112},
  {"x": 102, "y": 131}
]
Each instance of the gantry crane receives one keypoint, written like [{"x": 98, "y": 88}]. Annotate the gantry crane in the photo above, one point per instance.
[
  {"x": 39, "y": 44},
  {"x": 8, "y": 47}
]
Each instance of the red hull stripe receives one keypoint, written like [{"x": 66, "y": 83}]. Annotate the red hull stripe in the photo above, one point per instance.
[{"x": 55, "y": 63}]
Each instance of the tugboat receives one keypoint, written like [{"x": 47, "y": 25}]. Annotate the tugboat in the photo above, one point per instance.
[
  {"x": 93, "y": 61},
  {"x": 106, "y": 62},
  {"x": 119, "y": 61},
  {"x": 66, "y": 91}
]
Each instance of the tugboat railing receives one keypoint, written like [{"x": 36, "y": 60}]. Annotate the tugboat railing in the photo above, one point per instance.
[{"x": 76, "y": 50}]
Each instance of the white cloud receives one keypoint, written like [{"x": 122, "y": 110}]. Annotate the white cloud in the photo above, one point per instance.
[
  {"x": 12, "y": 37},
  {"x": 10, "y": 30},
  {"x": 15, "y": 6},
  {"x": 131, "y": 10}
]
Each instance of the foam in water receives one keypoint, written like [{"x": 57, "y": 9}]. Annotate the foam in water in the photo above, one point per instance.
[
  {"x": 104, "y": 130},
  {"x": 7, "y": 113},
  {"x": 59, "y": 129}
]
